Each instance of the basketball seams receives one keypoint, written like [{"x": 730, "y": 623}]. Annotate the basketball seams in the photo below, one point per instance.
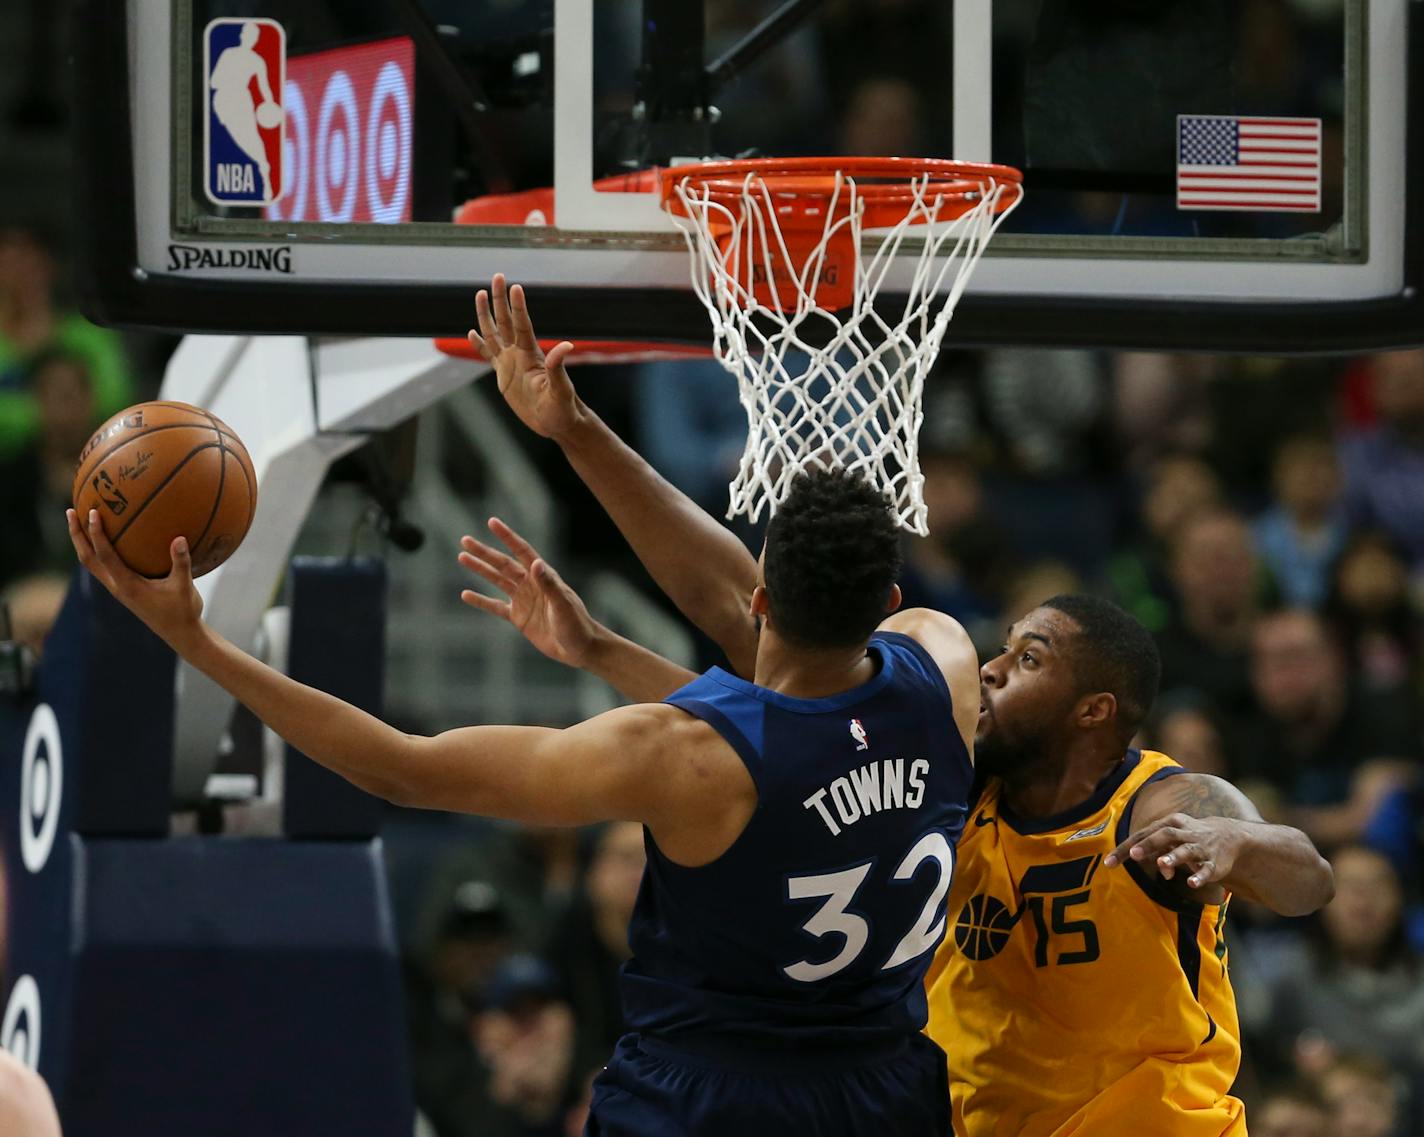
[
  {"x": 222, "y": 481},
  {"x": 173, "y": 473},
  {"x": 244, "y": 460}
]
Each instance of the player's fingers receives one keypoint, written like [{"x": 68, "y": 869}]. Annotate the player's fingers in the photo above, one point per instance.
[
  {"x": 520, "y": 322},
  {"x": 482, "y": 349},
  {"x": 485, "y": 318},
  {"x": 1207, "y": 873},
  {"x": 1129, "y": 849},
  {"x": 485, "y": 603},
  {"x": 103, "y": 551},
  {"x": 82, "y": 548},
  {"x": 1188, "y": 855},
  {"x": 492, "y": 556},
  {"x": 489, "y": 572},
  {"x": 516, "y": 544},
  {"x": 554, "y": 360},
  {"x": 499, "y": 289}
]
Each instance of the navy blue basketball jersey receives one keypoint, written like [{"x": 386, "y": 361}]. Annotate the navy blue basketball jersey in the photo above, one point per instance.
[{"x": 821, "y": 919}]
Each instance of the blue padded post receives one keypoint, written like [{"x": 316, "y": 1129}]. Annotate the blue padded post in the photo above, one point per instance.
[{"x": 337, "y": 644}]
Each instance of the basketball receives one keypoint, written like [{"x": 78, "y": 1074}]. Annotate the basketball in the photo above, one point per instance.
[
  {"x": 269, "y": 115},
  {"x": 162, "y": 470}
]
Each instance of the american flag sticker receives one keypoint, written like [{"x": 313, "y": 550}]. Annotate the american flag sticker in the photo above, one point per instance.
[{"x": 1234, "y": 162}]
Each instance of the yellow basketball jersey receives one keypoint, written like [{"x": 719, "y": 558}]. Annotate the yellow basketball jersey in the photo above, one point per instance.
[{"x": 1068, "y": 999}]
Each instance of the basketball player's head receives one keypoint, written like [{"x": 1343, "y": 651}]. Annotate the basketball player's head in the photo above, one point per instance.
[
  {"x": 830, "y": 563},
  {"x": 1076, "y": 668}
]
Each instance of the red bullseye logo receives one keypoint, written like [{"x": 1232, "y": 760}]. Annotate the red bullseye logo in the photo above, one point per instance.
[
  {"x": 349, "y": 148},
  {"x": 388, "y": 146},
  {"x": 337, "y": 142}
]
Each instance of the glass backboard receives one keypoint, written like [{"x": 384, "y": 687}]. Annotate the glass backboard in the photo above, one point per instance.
[{"x": 1212, "y": 174}]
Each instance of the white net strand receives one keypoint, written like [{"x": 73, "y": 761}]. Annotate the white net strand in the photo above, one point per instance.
[{"x": 857, "y": 402}]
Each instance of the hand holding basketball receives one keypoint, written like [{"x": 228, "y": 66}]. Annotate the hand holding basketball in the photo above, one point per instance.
[
  {"x": 159, "y": 470},
  {"x": 269, "y": 116},
  {"x": 171, "y": 607},
  {"x": 535, "y": 385}
]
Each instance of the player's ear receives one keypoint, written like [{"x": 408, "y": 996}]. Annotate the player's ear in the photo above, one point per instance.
[
  {"x": 760, "y": 605},
  {"x": 1097, "y": 710},
  {"x": 894, "y": 600}
]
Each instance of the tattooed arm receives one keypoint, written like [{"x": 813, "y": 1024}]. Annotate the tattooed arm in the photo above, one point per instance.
[{"x": 1203, "y": 834}]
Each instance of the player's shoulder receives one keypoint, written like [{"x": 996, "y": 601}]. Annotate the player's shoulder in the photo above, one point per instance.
[
  {"x": 924, "y": 622},
  {"x": 941, "y": 637},
  {"x": 653, "y": 723},
  {"x": 1166, "y": 787},
  {"x": 951, "y": 654}
]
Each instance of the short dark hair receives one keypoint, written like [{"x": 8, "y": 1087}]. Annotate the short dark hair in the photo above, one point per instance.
[
  {"x": 1113, "y": 653},
  {"x": 832, "y": 557}
]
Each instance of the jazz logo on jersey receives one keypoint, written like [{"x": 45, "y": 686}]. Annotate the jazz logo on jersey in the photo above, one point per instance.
[
  {"x": 857, "y": 732},
  {"x": 245, "y": 125}
]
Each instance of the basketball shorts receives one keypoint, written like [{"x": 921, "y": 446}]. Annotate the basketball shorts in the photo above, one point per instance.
[{"x": 659, "y": 1088}]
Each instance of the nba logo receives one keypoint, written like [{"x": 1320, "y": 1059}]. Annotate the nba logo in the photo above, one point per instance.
[{"x": 244, "y": 127}]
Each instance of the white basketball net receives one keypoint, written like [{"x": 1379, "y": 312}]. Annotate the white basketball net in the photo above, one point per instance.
[{"x": 857, "y": 403}]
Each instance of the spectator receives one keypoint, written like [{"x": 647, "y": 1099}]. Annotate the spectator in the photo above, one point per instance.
[
  {"x": 1178, "y": 485},
  {"x": 883, "y": 118},
  {"x": 1321, "y": 743},
  {"x": 1370, "y": 612},
  {"x": 1360, "y": 988},
  {"x": 34, "y": 603},
  {"x": 30, "y": 326},
  {"x": 589, "y": 942},
  {"x": 524, "y": 1036},
  {"x": 1302, "y": 534},
  {"x": 1186, "y": 728},
  {"x": 1047, "y": 406},
  {"x": 1032, "y": 585},
  {"x": 1205, "y": 646},
  {"x": 1159, "y": 404},
  {"x": 36, "y": 481},
  {"x": 692, "y": 427},
  {"x": 1384, "y": 465},
  {"x": 470, "y": 943},
  {"x": 1364, "y": 1094},
  {"x": 1296, "y": 1110},
  {"x": 961, "y": 566},
  {"x": 534, "y": 868}
]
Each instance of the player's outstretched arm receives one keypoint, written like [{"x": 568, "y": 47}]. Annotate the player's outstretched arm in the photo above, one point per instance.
[
  {"x": 950, "y": 647},
  {"x": 1205, "y": 835},
  {"x": 552, "y": 617},
  {"x": 701, "y": 566},
  {"x": 619, "y": 766}
]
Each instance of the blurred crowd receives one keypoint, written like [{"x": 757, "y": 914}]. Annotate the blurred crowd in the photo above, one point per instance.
[{"x": 1263, "y": 516}]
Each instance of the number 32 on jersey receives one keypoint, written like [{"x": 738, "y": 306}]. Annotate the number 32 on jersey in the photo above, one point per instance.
[{"x": 836, "y": 915}]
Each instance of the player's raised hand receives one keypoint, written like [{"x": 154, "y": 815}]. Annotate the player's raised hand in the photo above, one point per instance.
[
  {"x": 535, "y": 385},
  {"x": 545, "y": 610},
  {"x": 1202, "y": 848},
  {"x": 170, "y": 606}
]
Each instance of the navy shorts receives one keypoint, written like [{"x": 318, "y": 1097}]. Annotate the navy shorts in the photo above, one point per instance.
[{"x": 656, "y": 1088}]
